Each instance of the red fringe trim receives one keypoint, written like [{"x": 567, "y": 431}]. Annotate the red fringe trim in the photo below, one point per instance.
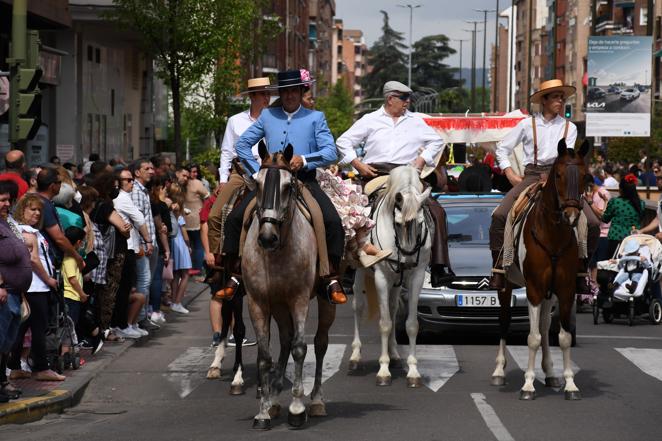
[{"x": 472, "y": 123}]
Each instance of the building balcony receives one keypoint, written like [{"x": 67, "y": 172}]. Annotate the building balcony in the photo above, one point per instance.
[{"x": 604, "y": 23}]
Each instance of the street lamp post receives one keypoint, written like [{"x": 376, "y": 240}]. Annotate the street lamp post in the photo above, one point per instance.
[
  {"x": 484, "y": 11},
  {"x": 473, "y": 62},
  {"x": 495, "y": 80},
  {"x": 461, "y": 41},
  {"x": 411, "y": 14}
]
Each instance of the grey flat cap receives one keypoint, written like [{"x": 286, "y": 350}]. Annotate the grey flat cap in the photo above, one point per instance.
[{"x": 395, "y": 86}]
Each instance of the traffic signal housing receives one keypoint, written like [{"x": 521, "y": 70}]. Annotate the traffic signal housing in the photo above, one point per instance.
[
  {"x": 568, "y": 111},
  {"x": 24, "y": 95}
]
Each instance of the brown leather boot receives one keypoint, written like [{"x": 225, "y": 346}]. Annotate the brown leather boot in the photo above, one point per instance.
[
  {"x": 335, "y": 292},
  {"x": 582, "y": 285},
  {"x": 232, "y": 285},
  {"x": 498, "y": 280}
]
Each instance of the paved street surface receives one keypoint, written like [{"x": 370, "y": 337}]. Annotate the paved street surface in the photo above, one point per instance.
[
  {"x": 640, "y": 105},
  {"x": 158, "y": 390}
]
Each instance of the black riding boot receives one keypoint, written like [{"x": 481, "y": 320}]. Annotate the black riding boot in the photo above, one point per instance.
[{"x": 498, "y": 280}]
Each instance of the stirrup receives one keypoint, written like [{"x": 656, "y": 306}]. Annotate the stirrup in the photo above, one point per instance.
[{"x": 339, "y": 292}]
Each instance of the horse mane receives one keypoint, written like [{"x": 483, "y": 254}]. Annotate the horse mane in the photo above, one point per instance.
[{"x": 406, "y": 182}]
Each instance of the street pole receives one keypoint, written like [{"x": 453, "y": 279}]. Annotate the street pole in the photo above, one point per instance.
[
  {"x": 495, "y": 80},
  {"x": 484, "y": 11},
  {"x": 473, "y": 62},
  {"x": 461, "y": 41},
  {"x": 411, "y": 15}
]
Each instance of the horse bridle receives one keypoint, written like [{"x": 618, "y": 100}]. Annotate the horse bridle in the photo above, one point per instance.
[
  {"x": 574, "y": 199},
  {"x": 293, "y": 191}
]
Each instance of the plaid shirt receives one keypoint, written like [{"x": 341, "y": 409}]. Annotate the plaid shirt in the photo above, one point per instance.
[
  {"x": 99, "y": 273},
  {"x": 140, "y": 199}
]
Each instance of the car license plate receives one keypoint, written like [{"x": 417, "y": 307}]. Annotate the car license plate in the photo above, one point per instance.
[{"x": 477, "y": 300}]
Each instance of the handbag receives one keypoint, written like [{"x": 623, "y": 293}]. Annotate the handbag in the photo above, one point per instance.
[
  {"x": 167, "y": 270},
  {"x": 25, "y": 309},
  {"x": 91, "y": 262}
]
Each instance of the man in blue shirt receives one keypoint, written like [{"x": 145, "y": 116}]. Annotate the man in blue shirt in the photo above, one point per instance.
[{"x": 307, "y": 131}]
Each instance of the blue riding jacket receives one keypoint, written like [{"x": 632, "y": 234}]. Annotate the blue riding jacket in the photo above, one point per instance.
[{"x": 307, "y": 131}]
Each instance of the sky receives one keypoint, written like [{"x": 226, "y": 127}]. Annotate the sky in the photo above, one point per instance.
[{"x": 433, "y": 17}]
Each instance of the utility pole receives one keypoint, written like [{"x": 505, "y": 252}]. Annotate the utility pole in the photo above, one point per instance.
[
  {"x": 461, "y": 41},
  {"x": 473, "y": 62},
  {"x": 528, "y": 54},
  {"x": 495, "y": 80},
  {"x": 484, "y": 11},
  {"x": 411, "y": 14}
]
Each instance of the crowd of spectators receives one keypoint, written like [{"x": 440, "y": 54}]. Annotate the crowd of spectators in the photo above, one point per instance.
[{"x": 113, "y": 244}]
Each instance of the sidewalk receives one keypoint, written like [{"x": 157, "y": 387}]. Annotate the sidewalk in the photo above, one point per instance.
[{"x": 40, "y": 398}]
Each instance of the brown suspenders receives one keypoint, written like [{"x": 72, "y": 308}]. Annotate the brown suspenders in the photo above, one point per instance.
[{"x": 535, "y": 138}]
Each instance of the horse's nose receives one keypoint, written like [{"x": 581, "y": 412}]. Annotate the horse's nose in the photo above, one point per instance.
[{"x": 268, "y": 241}]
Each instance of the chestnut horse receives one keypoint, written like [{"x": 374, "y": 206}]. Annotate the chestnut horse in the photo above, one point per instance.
[
  {"x": 279, "y": 264},
  {"x": 548, "y": 257}
]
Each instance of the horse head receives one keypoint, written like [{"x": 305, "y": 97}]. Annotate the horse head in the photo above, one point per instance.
[
  {"x": 567, "y": 176},
  {"x": 404, "y": 198},
  {"x": 276, "y": 194}
]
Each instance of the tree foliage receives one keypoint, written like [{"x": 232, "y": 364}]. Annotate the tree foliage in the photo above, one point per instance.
[
  {"x": 338, "y": 107},
  {"x": 428, "y": 68},
  {"x": 388, "y": 60}
]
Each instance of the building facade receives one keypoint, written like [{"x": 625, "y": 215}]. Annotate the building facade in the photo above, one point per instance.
[{"x": 321, "y": 26}]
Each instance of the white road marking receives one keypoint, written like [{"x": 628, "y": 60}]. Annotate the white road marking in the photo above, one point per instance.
[
  {"x": 187, "y": 371},
  {"x": 521, "y": 356},
  {"x": 648, "y": 360},
  {"x": 436, "y": 364},
  {"x": 491, "y": 418},
  {"x": 332, "y": 361},
  {"x": 619, "y": 337}
]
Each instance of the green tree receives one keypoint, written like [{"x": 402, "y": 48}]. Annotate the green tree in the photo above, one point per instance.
[
  {"x": 428, "y": 68},
  {"x": 388, "y": 60},
  {"x": 338, "y": 107}
]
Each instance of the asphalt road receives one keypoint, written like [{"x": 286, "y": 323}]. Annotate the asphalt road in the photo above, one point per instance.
[
  {"x": 640, "y": 105},
  {"x": 158, "y": 391}
]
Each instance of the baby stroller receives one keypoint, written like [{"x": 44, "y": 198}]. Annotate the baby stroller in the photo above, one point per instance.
[
  {"x": 617, "y": 298},
  {"x": 60, "y": 330}
]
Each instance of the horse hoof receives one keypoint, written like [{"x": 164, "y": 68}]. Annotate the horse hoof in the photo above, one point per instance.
[
  {"x": 554, "y": 382},
  {"x": 296, "y": 421},
  {"x": 414, "y": 382},
  {"x": 573, "y": 395},
  {"x": 498, "y": 381},
  {"x": 317, "y": 410},
  {"x": 258, "y": 393},
  {"x": 259, "y": 424},
  {"x": 214, "y": 373},
  {"x": 354, "y": 366},
  {"x": 274, "y": 411},
  {"x": 236, "y": 389},
  {"x": 383, "y": 381},
  {"x": 527, "y": 395}
]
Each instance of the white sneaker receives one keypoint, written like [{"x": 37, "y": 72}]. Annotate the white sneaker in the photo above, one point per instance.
[
  {"x": 158, "y": 317},
  {"x": 177, "y": 307},
  {"x": 139, "y": 330},
  {"x": 127, "y": 332}
]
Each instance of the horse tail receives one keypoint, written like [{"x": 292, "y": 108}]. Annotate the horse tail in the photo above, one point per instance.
[{"x": 372, "y": 298}]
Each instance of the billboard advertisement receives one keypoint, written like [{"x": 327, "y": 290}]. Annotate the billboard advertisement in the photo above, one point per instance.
[{"x": 618, "y": 97}]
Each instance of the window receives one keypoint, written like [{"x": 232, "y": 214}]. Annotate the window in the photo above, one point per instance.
[
  {"x": 90, "y": 53},
  {"x": 97, "y": 55}
]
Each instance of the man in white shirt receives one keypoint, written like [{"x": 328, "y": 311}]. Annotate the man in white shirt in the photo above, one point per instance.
[
  {"x": 549, "y": 129},
  {"x": 394, "y": 136}
]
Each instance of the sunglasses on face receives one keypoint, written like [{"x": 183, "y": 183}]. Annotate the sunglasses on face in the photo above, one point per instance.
[
  {"x": 403, "y": 96},
  {"x": 127, "y": 179}
]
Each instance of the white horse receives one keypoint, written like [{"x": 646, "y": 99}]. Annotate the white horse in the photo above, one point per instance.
[{"x": 402, "y": 227}]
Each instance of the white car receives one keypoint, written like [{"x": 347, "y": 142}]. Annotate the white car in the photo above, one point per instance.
[{"x": 630, "y": 94}]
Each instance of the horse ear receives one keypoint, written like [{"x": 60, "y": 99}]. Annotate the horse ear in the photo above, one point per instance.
[
  {"x": 583, "y": 150},
  {"x": 263, "y": 150},
  {"x": 562, "y": 147},
  {"x": 288, "y": 152}
]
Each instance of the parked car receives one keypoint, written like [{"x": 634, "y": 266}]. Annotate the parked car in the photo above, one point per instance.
[
  {"x": 595, "y": 93},
  {"x": 466, "y": 302},
  {"x": 630, "y": 94},
  {"x": 614, "y": 89}
]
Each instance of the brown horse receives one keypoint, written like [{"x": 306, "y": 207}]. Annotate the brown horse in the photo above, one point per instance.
[
  {"x": 548, "y": 257},
  {"x": 279, "y": 264}
]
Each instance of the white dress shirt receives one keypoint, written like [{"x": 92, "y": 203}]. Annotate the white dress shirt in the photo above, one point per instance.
[
  {"x": 549, "y": 133},
  {"x": 237, "y": 125},
  {"x": 129, "y": 212},
  {"x": 395, "y": 142}
]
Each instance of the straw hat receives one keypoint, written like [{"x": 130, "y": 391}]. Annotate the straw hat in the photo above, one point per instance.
[
  {"x": 427, "y": 170},
  {"x": 257, "y": 85},
  {"x": 552, "y": 86},
  {"x": 375, "y": 184}
]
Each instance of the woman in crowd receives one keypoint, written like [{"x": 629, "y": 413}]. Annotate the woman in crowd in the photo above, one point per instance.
[
  {"x": 28, "y": 215},
  {"x": 194, "y": 195},
  {"x": 624, "y": 212},
  {"x": 597, "y": 197}
]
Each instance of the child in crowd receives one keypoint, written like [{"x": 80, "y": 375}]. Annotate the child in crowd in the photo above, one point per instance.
[
  {"x": 73, "y": 279},
  {"x": 634, "y": 265},
  {"x": 180, "y": 250}
]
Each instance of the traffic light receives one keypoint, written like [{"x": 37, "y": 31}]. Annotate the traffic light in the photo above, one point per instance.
[
  {"x": 568, "y": 111},
  {"x": 25, "y": 98}
]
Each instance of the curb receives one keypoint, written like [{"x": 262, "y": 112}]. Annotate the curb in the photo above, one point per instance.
[{"x": 32, "y": 409}]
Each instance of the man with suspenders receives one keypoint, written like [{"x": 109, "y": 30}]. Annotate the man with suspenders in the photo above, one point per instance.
[{"x": 540, "y": 136}]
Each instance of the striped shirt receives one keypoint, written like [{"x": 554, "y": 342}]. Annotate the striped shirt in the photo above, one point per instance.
[{"x": 140, "y": 199}]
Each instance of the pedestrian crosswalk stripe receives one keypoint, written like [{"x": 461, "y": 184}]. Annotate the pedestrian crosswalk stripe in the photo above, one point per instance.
[
  {"x": 648, "y": 360},
  {"x": 436, "y": 364},
  {"x": 332, "y": 361},
  {"x": 186, "y": 372},
  {"x": 521, "y": 356}
]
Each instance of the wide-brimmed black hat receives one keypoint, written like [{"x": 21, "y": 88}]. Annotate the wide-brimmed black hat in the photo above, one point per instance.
[{"x": 291, "y": 78}]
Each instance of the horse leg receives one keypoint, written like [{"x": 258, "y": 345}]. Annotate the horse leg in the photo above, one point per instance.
[
  {"x": 566, "y": 304},
  {"x": 385, "y": 327},
  {"x": 326, "y": 316},
  {"x": 415, "y": 284},
  {"x": 528, "y": 391},
  {"x": 358, "y": 303},
  {"x": 394, "y": 302},
  {"x": 285, "y": 335},
  {"x": 214, "y": 371},
  {"x": 505, "y": 314},
  {"x": 297, "y": 411},
  {"x": 261, "y": 318},
  {"x": 546, "y": 363},
  {"x": 239, "y": 332}
]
